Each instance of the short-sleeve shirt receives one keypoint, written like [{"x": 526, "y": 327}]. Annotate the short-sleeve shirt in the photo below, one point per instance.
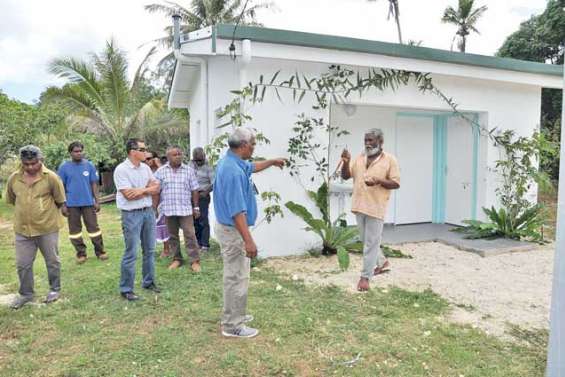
[
  {"x": 36, "y": 206},
  {"x": 204, "y": 175},
  {"x": 127, "y": 176},
  {"x": 373, "y": 200},
  {"x": 77, "y": 178},
  {"x": 234, "y": 191},
  {"x": 176, "y": 189}
]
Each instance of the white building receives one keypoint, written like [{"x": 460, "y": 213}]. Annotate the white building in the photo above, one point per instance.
[{"x": 444, "y": 160}]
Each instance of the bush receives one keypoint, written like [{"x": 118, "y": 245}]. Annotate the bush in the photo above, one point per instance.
[{"x": 525, "y": 224}]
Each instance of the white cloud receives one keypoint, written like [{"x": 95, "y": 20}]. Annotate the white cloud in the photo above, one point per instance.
[{"x": 32, "y": 32}]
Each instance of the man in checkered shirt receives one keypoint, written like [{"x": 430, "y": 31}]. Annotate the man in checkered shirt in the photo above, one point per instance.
[{"x": 179, "y": 188}]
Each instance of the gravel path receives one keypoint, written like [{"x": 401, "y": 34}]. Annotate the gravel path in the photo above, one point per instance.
[{"x": 487, "y": 292}]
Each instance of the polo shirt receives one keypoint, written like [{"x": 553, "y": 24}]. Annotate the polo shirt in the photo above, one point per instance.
[
  {"x": 234, "y": 191},
  {"x": 372, "y": 200},
  {"x": 126, "y": 176},
  {"x": 36, "y": 211},
  {"x": 77, "y": 178}
]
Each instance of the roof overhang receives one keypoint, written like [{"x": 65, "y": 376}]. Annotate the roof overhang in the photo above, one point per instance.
[{"x": 308, "y": 47}]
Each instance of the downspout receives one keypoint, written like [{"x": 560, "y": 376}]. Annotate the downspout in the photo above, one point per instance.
[
  {"x": 244, "y": 62},
  {"x": 203, "y": 71}
]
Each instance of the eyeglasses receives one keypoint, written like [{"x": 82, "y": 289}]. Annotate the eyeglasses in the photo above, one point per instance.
[{"x": 140, "y": 149}]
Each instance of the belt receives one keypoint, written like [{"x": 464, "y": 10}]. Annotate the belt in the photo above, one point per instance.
[{"x": 137, "y": 209}]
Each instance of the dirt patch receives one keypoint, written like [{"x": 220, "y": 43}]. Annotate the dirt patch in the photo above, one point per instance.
[{"x": 487, "y": 293}]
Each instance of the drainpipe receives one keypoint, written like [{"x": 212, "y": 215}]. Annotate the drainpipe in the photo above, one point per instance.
[
  {"x": 556, "y": 349},
  {"x": 243, "y": 63},
  {"x": 191, "y": 60}
]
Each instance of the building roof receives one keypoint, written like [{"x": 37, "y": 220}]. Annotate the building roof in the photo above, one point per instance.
[{"x": 287, "y": 37}]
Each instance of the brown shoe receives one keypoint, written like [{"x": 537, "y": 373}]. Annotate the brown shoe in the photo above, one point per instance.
[
  {"x": 176, "y": 264},
  {"x": 103, "y": 256},
  {"x": 381, "y": 270},
  {"x": 195, "y": 266},
  {"x": 81, "y": 259}
]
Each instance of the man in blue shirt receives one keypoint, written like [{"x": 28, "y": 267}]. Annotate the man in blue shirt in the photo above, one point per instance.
[
  {"x": 81, "y": 187},
  {"x": 236, "y": 210}
]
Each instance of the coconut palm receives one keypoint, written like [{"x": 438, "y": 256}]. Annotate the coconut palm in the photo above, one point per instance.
[
  {"x": 394, "y": 11},
  {"x": 105, "y": 102},
  {"x": 465, "y": 18},
  {"x": 202, "y": 13}
]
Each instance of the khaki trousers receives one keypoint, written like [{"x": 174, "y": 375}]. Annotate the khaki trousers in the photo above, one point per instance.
[{"x": 236, "y": 276}]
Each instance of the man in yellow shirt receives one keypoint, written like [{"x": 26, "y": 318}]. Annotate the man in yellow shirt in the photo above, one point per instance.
[
  {"x": 37, "y": 194},
  {"x": 375, "y": 173}
]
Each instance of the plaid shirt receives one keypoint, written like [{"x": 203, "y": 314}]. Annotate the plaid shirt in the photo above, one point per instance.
[{"x": 176, "y": 189}]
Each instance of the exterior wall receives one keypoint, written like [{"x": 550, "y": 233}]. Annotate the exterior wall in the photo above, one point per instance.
[{"x": 499, "y": 104}]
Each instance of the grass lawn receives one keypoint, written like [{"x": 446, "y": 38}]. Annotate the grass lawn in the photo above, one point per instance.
[{"x": 305, "y": 331}]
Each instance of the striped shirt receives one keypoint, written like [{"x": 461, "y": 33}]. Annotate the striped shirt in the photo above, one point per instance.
[{"x": 176, "y": 189}]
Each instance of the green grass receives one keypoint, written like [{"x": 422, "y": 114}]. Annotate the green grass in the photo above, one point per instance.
[{"x": 305, "y": 331}]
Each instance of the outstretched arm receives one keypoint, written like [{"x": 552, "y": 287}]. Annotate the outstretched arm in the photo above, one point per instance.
[{"x": 262, "y": 165}]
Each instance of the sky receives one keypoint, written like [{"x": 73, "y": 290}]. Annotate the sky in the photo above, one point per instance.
[{"x": 33, "y": 32}]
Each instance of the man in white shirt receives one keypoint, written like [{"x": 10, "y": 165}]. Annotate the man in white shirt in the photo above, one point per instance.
[{"x": 135, "y": 185}]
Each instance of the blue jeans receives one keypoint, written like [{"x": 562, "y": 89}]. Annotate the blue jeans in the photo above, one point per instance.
[{"x": 138, "y": 225}]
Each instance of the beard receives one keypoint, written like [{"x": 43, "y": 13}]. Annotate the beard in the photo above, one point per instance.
[{"x": 373, "y": 151}]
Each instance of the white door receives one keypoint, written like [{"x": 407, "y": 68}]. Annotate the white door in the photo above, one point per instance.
[
  {"x": 459, "y": 171},
  {"x": 414, "y": 151}
]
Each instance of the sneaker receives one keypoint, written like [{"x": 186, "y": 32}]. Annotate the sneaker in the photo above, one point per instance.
[
  {"x": 176, "y": 264},
  {"x": 103, "y": 256},
  {"x": 153, "y": 287},
  {"x": 81, "y": 259},
  {"x": 130, "y": 296},
  {"x": 248, "y": 318},
  {"x": 241, "y": 332},
  {"x": 204, "y": 249},
  {"x": 20, "y": 301},
  {"x": 195, "y": 266},
  {"x": 52, "y": 297}
]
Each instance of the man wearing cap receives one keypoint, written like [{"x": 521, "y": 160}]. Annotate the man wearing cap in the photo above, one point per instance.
[{"x": 38, "y": 196}]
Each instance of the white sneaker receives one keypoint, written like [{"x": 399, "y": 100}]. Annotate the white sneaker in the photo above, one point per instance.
[{"x": 241, "y": 332}]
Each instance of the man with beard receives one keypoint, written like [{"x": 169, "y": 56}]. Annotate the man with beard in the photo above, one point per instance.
[{"x": 375, "y": 173}]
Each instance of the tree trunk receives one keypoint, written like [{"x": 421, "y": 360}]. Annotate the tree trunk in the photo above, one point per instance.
[{"x": 397, "y": 18}]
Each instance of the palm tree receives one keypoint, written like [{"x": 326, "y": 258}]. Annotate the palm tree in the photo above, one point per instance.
[
  {"x": 104, "y": 101},
  {"x": 465, "y": 18},
  {"x": 394, "y": 10},
  {"x": 202, "y": 13}
]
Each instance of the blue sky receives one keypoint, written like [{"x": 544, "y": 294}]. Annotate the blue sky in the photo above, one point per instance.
[{"x": 32, "y": 32}]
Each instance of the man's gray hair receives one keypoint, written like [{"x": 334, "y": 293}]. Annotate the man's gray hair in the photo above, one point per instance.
[
  {"x": 30, "y": 152},
  {"x": 240, "y": 136},
  {"x": 376, "y": 132}
]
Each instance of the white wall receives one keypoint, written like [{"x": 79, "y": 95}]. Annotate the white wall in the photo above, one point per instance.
[{"x": 503, "y": 105}]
